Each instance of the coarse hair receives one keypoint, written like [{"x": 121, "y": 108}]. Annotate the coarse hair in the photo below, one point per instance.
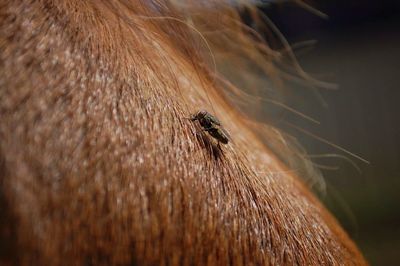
[{"x": 99, "y": 163}]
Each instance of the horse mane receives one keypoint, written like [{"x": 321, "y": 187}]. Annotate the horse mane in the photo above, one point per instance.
[{"x": 99, "y": 163}]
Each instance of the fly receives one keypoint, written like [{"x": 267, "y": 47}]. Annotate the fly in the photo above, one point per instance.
[{"x": 212, "y": 125}]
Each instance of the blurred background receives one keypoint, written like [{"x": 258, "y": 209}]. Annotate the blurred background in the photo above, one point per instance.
[{"x": 357, "y": 48}]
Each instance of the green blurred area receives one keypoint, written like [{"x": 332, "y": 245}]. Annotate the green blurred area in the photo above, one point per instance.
[
  {"x": 363, "y": 117},
  {"x": 358, "y": 48}
]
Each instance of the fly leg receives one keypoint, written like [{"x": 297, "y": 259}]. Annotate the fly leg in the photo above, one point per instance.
[{"x": 204, "y": 130}]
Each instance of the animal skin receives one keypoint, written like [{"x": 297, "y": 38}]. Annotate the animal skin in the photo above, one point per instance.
[{"x": 100, "y": 165}]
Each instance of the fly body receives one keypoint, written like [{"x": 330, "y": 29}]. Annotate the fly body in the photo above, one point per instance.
[{"x": 212, "y": 125}]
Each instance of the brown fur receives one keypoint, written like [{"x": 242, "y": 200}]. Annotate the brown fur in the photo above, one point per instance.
[{"x": 100, "y": 165}]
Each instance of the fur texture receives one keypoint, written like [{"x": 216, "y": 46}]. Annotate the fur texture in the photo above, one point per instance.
[{"x": 100, "y": 165}]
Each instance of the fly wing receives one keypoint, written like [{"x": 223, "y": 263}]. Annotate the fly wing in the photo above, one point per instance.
[
  {"x": 213, "y": 119},
  {"x": 225, "y": 135}
]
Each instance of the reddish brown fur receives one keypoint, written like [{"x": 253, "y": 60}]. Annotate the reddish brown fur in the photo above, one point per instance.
[{"x": 99, "y": 164}]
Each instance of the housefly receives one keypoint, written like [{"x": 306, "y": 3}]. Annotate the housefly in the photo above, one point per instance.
[{"x": 212, "y": 125}]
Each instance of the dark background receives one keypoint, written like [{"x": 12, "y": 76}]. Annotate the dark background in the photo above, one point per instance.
[{"x": 357, "y": 48}]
